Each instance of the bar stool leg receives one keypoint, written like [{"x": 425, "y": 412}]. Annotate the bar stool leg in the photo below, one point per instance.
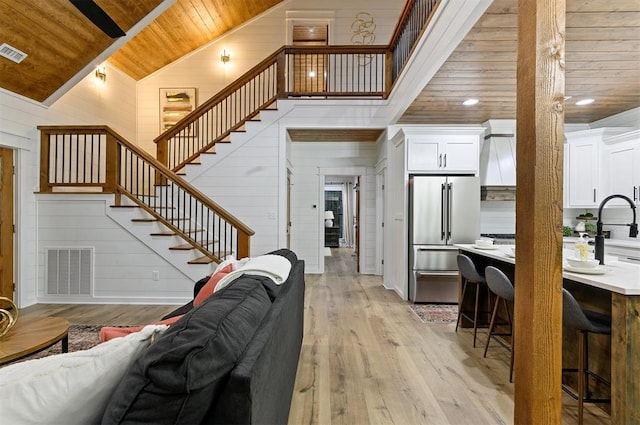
[
  {"x": 464, "y": 290},
  {"x": 475, "y": 315},
  {"x": 583, "y": 346},
  {"x": 491, "y": 325}
]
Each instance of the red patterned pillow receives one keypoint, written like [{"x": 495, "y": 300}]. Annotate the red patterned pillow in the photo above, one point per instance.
[
  {"x": 210, "y": 286},
  {"x": 110, "y": 332}
]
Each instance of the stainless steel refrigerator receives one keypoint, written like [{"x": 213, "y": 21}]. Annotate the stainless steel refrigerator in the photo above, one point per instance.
[{"x": 443, "y": 210}]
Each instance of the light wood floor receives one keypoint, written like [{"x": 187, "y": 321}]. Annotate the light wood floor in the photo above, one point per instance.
[{"x": 368, "y": 359}]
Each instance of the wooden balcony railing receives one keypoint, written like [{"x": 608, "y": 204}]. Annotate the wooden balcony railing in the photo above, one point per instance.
[
  {"x": 301, "y": 72},
  {"x": 96, "y": 159}
]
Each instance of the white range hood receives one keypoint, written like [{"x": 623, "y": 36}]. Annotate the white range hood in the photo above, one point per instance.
[{"x": 498, "y": 161}]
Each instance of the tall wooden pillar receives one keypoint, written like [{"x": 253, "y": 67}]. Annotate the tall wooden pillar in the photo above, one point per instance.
[{"x": 540, "y": 138}]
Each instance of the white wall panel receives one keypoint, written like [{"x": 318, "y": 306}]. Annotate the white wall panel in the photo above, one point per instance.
[{"x": 123, "y": 265}]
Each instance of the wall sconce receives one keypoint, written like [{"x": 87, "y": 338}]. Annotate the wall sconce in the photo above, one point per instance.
[
  {"x": 101, "y": 73},
  {"x": 225, "y": 57}
]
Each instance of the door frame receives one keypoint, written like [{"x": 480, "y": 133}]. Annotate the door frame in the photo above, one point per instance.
[
  {"x": 361, "y": 172},
  {"x": 7, "y": 221}
]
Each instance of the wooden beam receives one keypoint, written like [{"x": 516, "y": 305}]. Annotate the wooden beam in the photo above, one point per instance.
[
  {"x": 540, "y": 136},
  {"x": 625, "y": 346}
]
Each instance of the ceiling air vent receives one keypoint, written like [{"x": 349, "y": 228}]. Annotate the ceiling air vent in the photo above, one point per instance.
[{"x": 12, "y": 53}]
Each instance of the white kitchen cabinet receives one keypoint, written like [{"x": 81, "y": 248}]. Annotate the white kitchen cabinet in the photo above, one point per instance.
[
  {"x": 584, "y": 168},
  {"x": 443, "y": 153},
  {"x": 621, "y": 169},
  {"x": 585, "y": 183}
]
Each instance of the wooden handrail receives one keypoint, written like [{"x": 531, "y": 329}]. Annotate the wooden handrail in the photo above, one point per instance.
[
  {"x": 186, "y": 186},
  {"x": 83, "y": 158}
]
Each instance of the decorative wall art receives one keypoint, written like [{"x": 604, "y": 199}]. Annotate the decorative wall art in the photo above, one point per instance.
[
  {"x": 175, "y": 104},
  {"x": 363, "y": 29}
]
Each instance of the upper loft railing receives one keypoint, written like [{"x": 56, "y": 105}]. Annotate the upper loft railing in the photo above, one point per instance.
[
  {"x": 95, "y": 159},
  {"x": 301, "y": 72}
]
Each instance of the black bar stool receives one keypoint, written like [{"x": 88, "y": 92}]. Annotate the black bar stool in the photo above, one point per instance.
[
  {"x": 502, "y": 287},
  {"x": 585, "y": 322},
  {"x": 470, "y": 276}
]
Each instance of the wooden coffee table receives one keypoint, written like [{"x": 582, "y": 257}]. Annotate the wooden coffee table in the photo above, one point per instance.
[{"x": 33, "y": 334}]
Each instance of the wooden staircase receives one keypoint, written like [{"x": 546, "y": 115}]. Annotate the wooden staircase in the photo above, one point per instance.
[{"x": 159, "y": 187}]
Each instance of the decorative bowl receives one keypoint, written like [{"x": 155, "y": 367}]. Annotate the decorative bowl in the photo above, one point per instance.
[{"x": 577, "y": 262}]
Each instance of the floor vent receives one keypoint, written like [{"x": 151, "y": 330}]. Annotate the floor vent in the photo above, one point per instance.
[
  {"x": 12, "y": 53},
  {"x": 69, "y": 271}
]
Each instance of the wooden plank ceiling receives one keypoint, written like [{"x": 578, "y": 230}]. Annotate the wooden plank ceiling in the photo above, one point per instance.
[
  {"x": 60, "y": 41},
  {"x": 602, "y": 62},
  {"x": 367, "y": 135}
]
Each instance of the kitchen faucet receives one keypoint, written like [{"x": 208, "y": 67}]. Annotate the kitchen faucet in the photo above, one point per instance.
[{"x": 633, "y": 227}]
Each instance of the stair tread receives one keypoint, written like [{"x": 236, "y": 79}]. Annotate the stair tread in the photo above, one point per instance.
[
  {"x": 124, "y": 206},
  {"x": 163, "y": 234},
  {"x": 143, "y": 220},
  {"x": 201, "y": 260},
  {"x": 183, "y": 247}
]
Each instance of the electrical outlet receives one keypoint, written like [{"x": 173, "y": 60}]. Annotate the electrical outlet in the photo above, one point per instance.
[{"x": 155, "y": 275}]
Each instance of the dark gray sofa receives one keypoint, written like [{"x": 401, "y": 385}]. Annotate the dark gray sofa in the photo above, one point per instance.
[{"x": 231, "y": 360}]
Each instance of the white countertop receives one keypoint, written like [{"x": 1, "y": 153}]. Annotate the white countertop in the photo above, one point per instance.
[{"x": 621, "y": 277}]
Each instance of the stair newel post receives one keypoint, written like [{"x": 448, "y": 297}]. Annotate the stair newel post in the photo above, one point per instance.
[
  {"x": 162, "y": 155},
  {"x": 243, "y": 244},
  {"x": 388, "y": 72},
  {"x": 112, "y": 167},
  {"x": 45, "y": 187},
  {"x": 281, "y": 64}
]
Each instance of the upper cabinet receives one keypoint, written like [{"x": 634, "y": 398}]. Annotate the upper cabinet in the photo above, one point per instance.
[
  {"x": 586, "y": 185},
  {"x": 441, "y": 150},
  {"x": 622, "y": 167}
]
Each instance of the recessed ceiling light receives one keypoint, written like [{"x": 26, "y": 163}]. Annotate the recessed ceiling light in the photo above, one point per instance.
[
  {"x": 470, "y": 102},
  {"x": 585, "y": 102},
  {"x": 312, "y": 74}
]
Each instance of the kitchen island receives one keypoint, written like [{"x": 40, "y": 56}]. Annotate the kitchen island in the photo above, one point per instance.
[{"x": 617, "y": 292}]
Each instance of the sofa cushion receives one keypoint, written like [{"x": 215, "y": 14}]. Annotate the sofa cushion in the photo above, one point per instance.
[
  {"x": 184, "y": 371},
  {"x": 70, "y": 388},
  {"x": 210, "y": 286}
]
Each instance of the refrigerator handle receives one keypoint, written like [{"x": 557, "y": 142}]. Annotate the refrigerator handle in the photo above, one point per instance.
[
  {"x": 449, "y": 211},
  {"x": 443, "y": 203}
]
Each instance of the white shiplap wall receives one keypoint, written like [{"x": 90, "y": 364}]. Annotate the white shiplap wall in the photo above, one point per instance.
[
  {"x": 247, "y": 183},
  {"x": 124, "y": 266}
]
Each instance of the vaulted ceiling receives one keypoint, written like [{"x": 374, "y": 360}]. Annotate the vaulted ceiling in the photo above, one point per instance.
[
  {"x": 602, "y": 52},
  {"x": 60, "y": 41}
]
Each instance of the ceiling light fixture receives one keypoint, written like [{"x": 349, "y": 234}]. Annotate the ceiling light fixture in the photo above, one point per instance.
[
  {"x": 585, "y": 102},
  {"x": 225, "y": 57},
  {"x": 470, "y": 102}
]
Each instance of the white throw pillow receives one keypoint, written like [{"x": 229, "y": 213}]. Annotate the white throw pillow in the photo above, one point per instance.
[{"x": 70, "y": 388}]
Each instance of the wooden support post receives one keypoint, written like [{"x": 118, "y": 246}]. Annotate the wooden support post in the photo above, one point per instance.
[
  {"x": 281, "y": 82},
  {"x": 243, "y": 245},
  {"x": 45, "y": 187},
  {"x": 538, "y": 275},
  {"x": 388, "y": 73},
  {"x": 111, "y": 175},
  {"x": 162, "y": 155},
  {"x": 625, "y": 346}
]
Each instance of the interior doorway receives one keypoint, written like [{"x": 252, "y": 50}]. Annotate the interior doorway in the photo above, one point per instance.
[
  {"x": 6, "y": 223},
  {"x": 309, "y": 69},
  {"x": 341, "y": 215}
]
